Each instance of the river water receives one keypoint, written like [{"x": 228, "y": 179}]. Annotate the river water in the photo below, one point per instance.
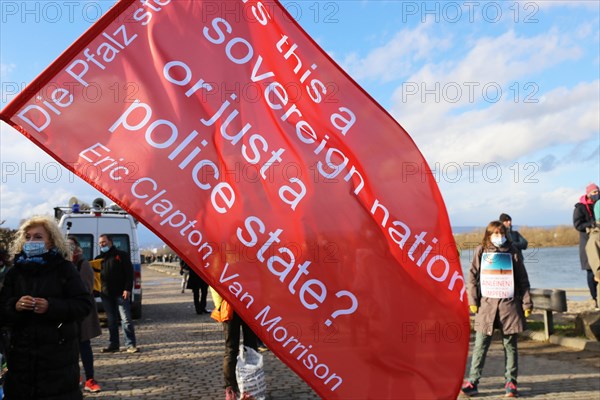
[{"x": 548, "y": 268}]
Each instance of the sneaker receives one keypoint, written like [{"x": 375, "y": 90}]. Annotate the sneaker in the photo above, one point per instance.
[
  {"x": 511, "y": 390},
  {"x": 91, "y": 386},
  {"x": 230, "y": 394},
  {"x": 469, "y": 388},
  {"x": 110, "y": 349},
  {"x": 132, "y": 349},
  {"x": 262, "y": 348}
]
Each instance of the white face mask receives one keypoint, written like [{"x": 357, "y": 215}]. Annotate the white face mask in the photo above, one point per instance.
[{"x": 498, "y": 242}]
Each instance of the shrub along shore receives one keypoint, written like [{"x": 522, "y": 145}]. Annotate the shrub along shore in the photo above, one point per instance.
[{"x": 558, "y": 236}]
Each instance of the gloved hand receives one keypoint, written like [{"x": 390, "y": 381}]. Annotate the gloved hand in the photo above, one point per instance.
[
  {"x": 527, "y": 313},
  {"x": 474, "y": 309}
]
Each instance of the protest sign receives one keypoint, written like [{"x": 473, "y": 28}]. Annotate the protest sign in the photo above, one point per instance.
[
  {"x": 497, "y": 280},
  {"x": 225, "y": 129}
]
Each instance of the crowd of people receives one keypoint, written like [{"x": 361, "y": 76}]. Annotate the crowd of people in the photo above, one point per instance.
[{"x": 48, "y": 313}]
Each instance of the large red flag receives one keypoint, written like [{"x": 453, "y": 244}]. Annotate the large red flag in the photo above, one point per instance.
[{"x": 226, "y": 130}]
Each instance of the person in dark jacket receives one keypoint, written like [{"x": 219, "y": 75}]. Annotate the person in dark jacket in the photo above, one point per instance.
[
  {"x": 43, "y": 300},
  {"x": 499, "y": 297},
  {"x": 583, "y": 221},
  {"x": 514, "y": 236},
  {"x": 117, "y": 284},
  {"x": 90, "y": 325},
  {"x": 196, "y": 284}
]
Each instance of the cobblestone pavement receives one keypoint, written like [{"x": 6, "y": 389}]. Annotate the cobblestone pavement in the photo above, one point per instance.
[
  {"x": 181, "y": 353},
  {"x": 181, "y": 358},
  {"x": 546, "y": 371}
]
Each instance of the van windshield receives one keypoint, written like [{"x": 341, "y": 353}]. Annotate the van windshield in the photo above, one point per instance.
[
  {"x": 121, "y": 242},
  {"x": 87, "y": 242}
]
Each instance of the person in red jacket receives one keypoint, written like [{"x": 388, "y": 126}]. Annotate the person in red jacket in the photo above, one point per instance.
[{"x": 583, "y": 220}]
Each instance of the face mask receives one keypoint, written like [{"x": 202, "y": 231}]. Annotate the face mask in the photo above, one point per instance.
[
  {"x": 498, "y": 241},
  {"x": 34, "y": 248},
  {"x": 595, "y": 197},
  {"x": 104, "y": 249}
]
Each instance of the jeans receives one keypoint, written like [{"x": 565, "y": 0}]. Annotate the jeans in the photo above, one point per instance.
[
  {"x": 112, "y": 305},
  {"x": 511, "y": 357},
  {"x": 184, "y": 278},
  {"x": 231, "y": 329},
  {"x": 200, "y": 300},
  {"x": 592, "y": 284}
]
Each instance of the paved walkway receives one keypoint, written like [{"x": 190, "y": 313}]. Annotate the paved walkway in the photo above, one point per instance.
[
  {"x": 546, "y": 371},
  {"x": 181, "y": 358},
  {"x": 181, "y": 352}
]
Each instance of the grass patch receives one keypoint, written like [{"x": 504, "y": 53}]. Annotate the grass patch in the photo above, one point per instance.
[{"x": 567, "y": 330}]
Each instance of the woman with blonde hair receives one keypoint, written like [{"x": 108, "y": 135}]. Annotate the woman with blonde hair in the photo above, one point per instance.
[{"x": 42, "y": 301}]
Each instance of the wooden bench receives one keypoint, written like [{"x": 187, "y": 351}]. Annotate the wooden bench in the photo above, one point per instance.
[{"x": 549, "y": 300}]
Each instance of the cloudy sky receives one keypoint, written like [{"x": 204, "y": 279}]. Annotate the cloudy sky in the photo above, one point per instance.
[{"x": 502, "y": 97}]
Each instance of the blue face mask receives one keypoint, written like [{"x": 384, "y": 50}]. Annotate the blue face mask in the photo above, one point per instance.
[
  {"x": 104, "y": 249},
  {"x": 34, "y": 248},
  {"x": 594, "y": 197},
  {"x": 498, "y": 242}
]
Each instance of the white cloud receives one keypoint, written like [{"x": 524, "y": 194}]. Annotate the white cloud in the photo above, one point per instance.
[
  {"x": 510, "y": 56},
  {"x": 5, "y": 70},
  {"x": 493, "y": 62},
  {"x": 31, "y": 181},
  {"x": 460, "y": 125},
  {"x": 505, "y": 130},
  {"x": 398, "y": 57},
  {"x": 17, "y": 148},
  {"x": 22, "y": 199}
]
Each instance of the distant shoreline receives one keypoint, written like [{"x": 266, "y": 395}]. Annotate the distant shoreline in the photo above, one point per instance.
[{"x": 555, "y": 236}]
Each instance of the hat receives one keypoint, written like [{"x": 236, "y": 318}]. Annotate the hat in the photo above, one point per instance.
[
  {"x": 590, "y": 188},
  {"x": 504, "y": 217}
]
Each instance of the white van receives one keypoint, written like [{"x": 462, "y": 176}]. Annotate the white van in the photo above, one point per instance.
[{"x": 88, "y": 224}]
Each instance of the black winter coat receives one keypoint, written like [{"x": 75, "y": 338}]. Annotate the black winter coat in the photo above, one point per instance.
[
  {"x": 117, "y": 272},
  {"x": 194, "y": 280},
  {"x": 583, "y": 218},
  {"x": 43, "y": 356}
]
